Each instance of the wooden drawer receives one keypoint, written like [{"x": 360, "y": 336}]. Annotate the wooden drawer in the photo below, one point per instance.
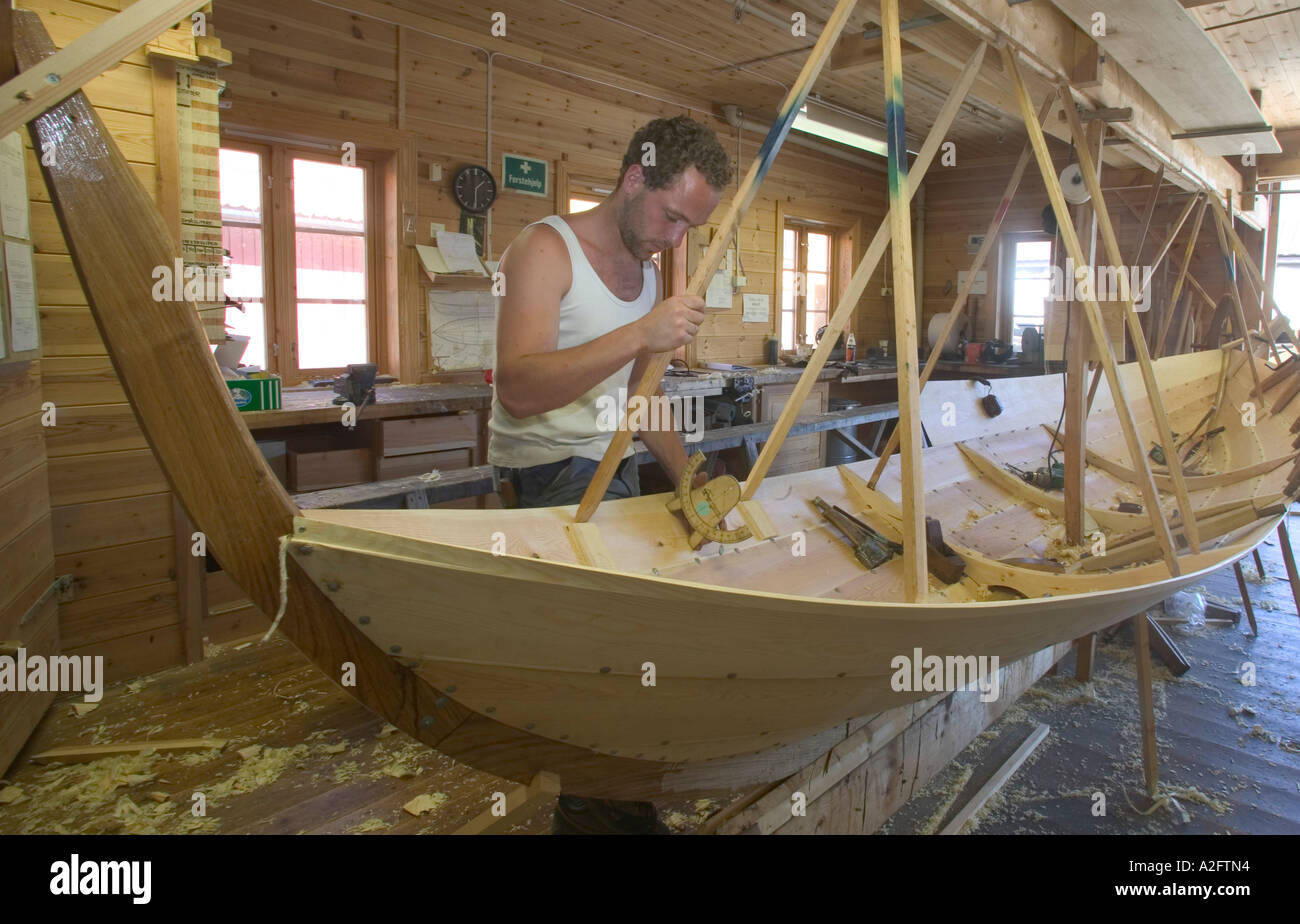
[
  {"x": 316, "y": 471},
  {"x": 798, "y": 453},
  {"x": 421, "y": 462},
  {"x": 409, "y": 435}
]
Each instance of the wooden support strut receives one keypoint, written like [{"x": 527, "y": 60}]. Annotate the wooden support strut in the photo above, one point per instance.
[
  {"x": 1234, "y": 247},
  {"x": 959, "y": 303},
  {"x": 708, "y": 264},
  {"x": 1111, "y": 244},
  {"x": 1122, "y": 408},
  {"x": 915, "y": 580},
  {"x": 1234, "y": 293},
  {"x": 1159, "y": 345},
  {"x": 858, "y": 284}
]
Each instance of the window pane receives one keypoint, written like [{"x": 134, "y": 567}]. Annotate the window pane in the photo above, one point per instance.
[
  {"x": 819, "y": 252},
  {"x": 331, "y": 335},
  {"x": 251, "y": 322},
  {"x": 241, "y": 186},
  {"x": 577, "y": 204},
  {"x": 241, "y": 238},
  {"x": 1031, "y": 285},
  {"x": 787, "y": 330},
  {"x": 330, "y": 263},
  {"x": 818, "y": 292},
  {"x": 790, "y": 249}
]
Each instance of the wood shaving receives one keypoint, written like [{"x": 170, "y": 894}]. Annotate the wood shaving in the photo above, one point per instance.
[
  {"x": 427, "y": 802},
  {"x": 12, "y": 795},
  {"x": 370, "y": 824},
  {"x": 81, "y": 709}
]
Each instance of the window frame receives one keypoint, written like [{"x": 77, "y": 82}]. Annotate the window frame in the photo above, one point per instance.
[
  {"x": 279, "y": 251},
  {"x": 802, "y": 227},
  {"x": 1008, "y": 241}
]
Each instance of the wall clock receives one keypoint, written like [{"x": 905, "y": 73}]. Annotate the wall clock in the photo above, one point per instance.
[{"x": 474, "y": 188}]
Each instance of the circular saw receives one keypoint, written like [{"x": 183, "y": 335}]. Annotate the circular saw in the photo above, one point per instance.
[{"x": 707, "y": 506}]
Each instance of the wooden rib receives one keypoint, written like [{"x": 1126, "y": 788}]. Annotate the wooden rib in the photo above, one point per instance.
[
  {"x": 1111, "y": 244},
  {"x": 866, "y": 268},
  {"x": 704, "y": 270},
  {"x": 1213, "y": 527},
  {"x": 50, "y": 81},
  {"x": 1234, "y": 293},
  {"x": 959, "y": 303},
  {"x": 1182, "y": 276},
  {"x": 1194, "y": 482},
  {"x": 1122, "y": 409},
  {"x": 915, "y": 581},
  {"x": 1048, "y": 500},
  {"x": 1252, "y": 271}
]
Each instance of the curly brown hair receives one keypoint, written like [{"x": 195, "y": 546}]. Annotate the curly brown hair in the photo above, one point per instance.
[{"x": 679, "y": 142}]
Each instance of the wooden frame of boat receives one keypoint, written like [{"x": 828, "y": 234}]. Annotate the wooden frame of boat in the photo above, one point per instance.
[{"x": 604, "y": 649}]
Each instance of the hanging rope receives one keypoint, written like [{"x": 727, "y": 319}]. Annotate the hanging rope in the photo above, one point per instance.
[{"x": 284, "y": 589}]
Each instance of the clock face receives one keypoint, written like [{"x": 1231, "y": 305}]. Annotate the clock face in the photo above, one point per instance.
[{"x": 474, "y": 188}]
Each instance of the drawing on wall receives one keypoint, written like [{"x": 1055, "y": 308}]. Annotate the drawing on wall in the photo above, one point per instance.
[{"x": 462, "y": 330}]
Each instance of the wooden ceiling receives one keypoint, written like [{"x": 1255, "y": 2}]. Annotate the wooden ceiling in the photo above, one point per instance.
[
  {"x": 1264, "y": 51},
  {"x": 700, "y": 52}
]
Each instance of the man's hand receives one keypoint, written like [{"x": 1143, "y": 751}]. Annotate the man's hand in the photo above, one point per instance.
[{"x": 672, "y": 323}]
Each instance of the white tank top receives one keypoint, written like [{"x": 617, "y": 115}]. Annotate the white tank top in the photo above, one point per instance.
[{"x": 587, "y": 311}]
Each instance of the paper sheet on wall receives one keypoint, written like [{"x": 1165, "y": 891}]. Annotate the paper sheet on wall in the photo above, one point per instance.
[
  {"x": 14, "y": 213},
  {"x": 756, "y": 307},
  {"x": 460, "y": 253},
  {"x": 719, "y": 293},
  {"x": 462, "y": 330},
  {"x": 24, "y": 326}
]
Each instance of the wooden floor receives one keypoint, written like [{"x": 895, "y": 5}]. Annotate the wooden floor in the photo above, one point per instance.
[
  {"x": 301, "y": 756},
  {"x": 1231, "y": 770}
]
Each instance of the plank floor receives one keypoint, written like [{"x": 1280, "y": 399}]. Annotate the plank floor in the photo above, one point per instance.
[
  {"x": 1231, "y": 770},
  {"x": 303, "y": 757}
]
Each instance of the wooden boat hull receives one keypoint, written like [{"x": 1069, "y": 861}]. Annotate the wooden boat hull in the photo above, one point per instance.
[{"x": 676, "y": 655}]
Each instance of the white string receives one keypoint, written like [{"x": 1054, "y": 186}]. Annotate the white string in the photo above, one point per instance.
[{"x": 284, "y": 589}]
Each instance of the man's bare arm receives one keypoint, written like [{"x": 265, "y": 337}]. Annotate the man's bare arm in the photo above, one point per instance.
[{"x": 531, "y": 375}]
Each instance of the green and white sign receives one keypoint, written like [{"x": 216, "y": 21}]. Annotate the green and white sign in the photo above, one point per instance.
[{"x": 527, "y": 175}]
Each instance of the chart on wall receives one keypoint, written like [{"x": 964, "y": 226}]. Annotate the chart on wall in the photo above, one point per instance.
[
  {"x": 462, "y": 330},
  {"x": 199, "y": 131}
]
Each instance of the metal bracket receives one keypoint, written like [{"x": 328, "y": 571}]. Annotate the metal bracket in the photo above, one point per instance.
[{"x": 62, "y": 585}]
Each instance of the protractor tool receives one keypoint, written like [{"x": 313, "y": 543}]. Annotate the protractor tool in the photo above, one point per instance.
[{"x": 707, "y": 506}]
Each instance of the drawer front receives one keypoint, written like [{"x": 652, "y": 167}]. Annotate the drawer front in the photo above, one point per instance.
[
  {"x": 411, "y": 435},
  {"x": 422, "y": 462},
  {"x": 316, "y": 471}
]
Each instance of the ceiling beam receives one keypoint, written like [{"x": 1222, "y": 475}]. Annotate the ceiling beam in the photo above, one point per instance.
[{"x": 1045, "y": 39}]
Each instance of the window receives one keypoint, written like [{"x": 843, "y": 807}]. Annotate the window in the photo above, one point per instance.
[
  {"x": 805, "y": 284},
  {"x": 1286, "y": 289},
  {"x": 1029, "y": 283},
  {"x": 577, "y": 204},
  {"x": 303, "y": 258}
]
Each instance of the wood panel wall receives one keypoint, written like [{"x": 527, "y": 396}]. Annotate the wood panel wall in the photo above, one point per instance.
[
  {"x": 347, "y": 76},
  {"x": 962, "y": 199},
  {"x": 111, "y": 515}
]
